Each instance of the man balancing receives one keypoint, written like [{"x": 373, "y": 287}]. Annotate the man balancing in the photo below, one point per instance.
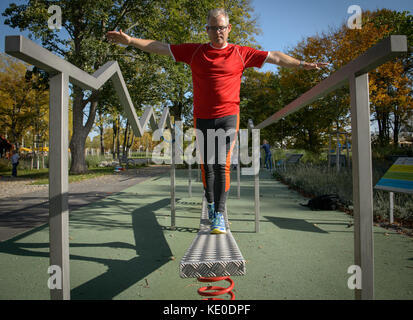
[{"x": 216, "y": 68}]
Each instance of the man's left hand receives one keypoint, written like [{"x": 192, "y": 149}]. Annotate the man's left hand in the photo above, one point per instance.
[{"x": 315, "y": 65}]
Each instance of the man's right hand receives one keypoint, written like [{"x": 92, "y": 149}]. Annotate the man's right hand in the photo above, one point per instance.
[{"x": 118, "y": 37}]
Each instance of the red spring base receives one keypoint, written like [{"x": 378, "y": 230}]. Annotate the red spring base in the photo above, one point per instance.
[{"x": 217, "y": 290}]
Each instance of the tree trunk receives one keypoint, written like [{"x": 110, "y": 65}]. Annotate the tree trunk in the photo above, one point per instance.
[
  {"x": 125, "y": 140},
  {"x": 113, "y": 139},
  {"x": 118, "y": 138},
  {"x": 102, "y": 147},
  {"x": 80, "y": 131},
  {"x": 396, "y": 129},
  {"x": 77, "y": 148}
]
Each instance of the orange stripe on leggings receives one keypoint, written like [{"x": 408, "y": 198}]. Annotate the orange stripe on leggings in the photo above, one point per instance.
[{"x": 228, "y": 160}]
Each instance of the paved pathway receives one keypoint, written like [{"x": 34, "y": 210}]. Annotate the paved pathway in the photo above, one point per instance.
[{"x": 29, "y": 207}]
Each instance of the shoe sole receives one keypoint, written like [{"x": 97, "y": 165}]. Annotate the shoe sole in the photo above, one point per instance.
[{"x": 217, "y": 231}]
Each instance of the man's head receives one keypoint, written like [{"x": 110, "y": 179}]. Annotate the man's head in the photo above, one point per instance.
[{"x": 218, "y": 27}]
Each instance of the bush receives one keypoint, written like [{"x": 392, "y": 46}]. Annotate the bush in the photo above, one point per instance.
[
  {"x": 385, "y": 152},
  {"x": 94, "y": 161},
  {"x": 5, "y": 165},
  {"x": 314, "y": 180}
]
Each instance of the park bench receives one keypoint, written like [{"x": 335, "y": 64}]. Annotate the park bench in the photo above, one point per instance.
[
  {"x": 293, "y": 158},
  {"x": 342, "y": 160},
  {"x": 131, "y": 161}
]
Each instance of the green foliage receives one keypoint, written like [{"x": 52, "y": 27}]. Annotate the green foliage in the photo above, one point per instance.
[
  {"x": 380, "y": 152},
  {"x": 315, "y": 180},
  {"x": 5, "y": 165}
]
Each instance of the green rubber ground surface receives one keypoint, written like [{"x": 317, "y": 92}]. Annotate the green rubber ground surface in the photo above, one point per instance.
[{"x": 122, "y": 247}]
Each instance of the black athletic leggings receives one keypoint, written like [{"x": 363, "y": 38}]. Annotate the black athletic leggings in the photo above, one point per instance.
[{"x": 216, "y": 169}]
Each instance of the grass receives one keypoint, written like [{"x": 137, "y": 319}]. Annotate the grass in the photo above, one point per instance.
[
  {"x": 92, "y": 173},
  {"x": 41, "y": 176}
]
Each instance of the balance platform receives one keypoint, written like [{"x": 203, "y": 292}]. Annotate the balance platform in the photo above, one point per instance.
[{"x": 212, "y": 255}]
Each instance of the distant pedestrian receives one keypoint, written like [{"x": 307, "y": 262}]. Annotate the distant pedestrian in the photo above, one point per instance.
[
  {"x": 15, "y": 162},
  {"x": 267, "y": 161}
]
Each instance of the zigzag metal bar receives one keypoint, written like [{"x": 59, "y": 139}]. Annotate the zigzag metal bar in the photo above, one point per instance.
[{"x": 28, "y": 51}]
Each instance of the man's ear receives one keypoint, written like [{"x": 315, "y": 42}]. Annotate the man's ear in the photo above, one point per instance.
[{"x": 229, "y": 28}]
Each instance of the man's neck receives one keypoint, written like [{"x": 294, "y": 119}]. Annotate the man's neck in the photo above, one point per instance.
[{"x": 217, "y": 46}]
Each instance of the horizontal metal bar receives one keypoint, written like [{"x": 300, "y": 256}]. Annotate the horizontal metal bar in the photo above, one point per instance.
[{"x": 378, "y": 54}]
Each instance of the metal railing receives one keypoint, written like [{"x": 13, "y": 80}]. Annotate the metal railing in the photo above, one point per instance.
[
  {"x": 62, "y": 72},
  {"x": 356, "y": 74}
]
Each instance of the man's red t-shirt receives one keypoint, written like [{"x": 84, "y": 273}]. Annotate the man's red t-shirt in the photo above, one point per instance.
[{"x": 216, "y": 75}]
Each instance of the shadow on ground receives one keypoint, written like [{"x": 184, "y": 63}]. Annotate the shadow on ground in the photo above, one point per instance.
[
  {"x": 152, "y": 252},
  {"x": 294, "y": 224}
]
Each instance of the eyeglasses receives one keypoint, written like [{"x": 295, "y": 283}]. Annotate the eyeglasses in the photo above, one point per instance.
[{"x": 214, "y": 28}]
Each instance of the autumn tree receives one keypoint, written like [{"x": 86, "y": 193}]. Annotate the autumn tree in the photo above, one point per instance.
[
  {"x": 24, "y": 107},
  {"x": 390, "y": 83}
]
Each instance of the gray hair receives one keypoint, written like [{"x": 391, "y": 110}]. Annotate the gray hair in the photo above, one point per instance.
[{"x": 216, "y": 13}]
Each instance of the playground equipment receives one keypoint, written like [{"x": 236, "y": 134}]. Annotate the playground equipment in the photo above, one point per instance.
[
  {"x": 212, "y": 258},
  {"x": 61, "y": 73},
  {"x": 356, "y": 74},
  {"x": 226, "y": 259},
  {"x": 338, "y": 157}
]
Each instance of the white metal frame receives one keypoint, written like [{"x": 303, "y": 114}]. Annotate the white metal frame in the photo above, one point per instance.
[
  {"x": 61, "y": 73},
  {"x": 356, "y": 74}
]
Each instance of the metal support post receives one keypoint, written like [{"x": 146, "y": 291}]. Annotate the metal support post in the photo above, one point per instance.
[
  {"x": 391, "y": 207},
  {"x": 189, "y": 180},
  {"x": 173, "y": 178},
  {"x": 59, "y": 183},
  {"x": 362, "y": 184},
  {"x": 238, "y": 170}
]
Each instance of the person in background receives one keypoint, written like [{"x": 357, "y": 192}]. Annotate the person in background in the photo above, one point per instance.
[
  {"x": 15, "y": 162},
  {"x": 267, "y": 161}
]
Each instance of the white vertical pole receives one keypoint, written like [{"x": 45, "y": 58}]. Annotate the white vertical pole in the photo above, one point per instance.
[
  {"x": 59, "y": 183},
  {"x": 328, "y": 153},
  {"x": 348, "y": 153},
  {"x": 362, "y": 184},
  {"x": 238, "y": 170},
  {"x": 256, "y": 165},
  {"x": 190, "y": 180},
  {"x": 172, "y": 178},
  {"x": 391, "y": 207},
  {"x": 338, "y": 152}
]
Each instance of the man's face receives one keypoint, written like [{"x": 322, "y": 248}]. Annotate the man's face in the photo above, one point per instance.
[{"x": 218, "y": 37}]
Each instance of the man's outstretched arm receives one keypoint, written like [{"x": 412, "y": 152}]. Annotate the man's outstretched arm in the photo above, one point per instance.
[
  {"x": 151, "y": 46},
  {"x": 283, "y": 60}
]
